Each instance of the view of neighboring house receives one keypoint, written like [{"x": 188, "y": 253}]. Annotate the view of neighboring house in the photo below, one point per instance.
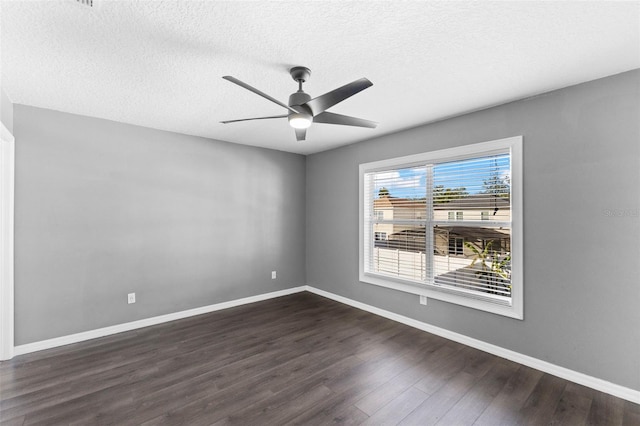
[
  {"x": 448, "y": 239},
  {"x": 391, "y": 208},
  {"x": 474, "y": 207},
  {"x": 459, "y": 237}
]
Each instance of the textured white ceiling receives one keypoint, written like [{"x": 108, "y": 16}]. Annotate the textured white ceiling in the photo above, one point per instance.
[{"x": 159, "y": 63}]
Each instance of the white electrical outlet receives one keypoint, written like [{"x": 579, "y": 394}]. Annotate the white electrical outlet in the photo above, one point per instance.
[
  {"x": 131, "y": 298},
  {"x": 423, "y": 300},
  {"x": 273, "y": 275}
]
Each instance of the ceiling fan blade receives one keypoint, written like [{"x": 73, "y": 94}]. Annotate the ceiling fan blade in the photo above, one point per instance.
[
  {"x": 257, "y": 92},
  {"x": 257, "y": 118},
  {"x": 329, "y": 99},
  {"x": 301, "y": 134},
  {"x": 345, "y": 120}
]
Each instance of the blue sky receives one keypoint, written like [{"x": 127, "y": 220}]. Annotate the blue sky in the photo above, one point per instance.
[{"x": 470, "y": 174}]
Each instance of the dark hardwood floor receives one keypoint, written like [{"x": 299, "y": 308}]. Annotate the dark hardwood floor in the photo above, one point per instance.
[{"x": 300, "y": 359}]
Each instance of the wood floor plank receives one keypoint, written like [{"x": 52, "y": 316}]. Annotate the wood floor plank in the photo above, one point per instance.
[
  {"x": 16, "y": 421},
  {"x": 574, "y": 406},
  {"x": 606, "y": 409},
  {"x": 504, "y": 409},
  {"x": 299, "y": 359},
  {"x": 444, "y": 370},
  {"x": 386, "y": 392},
  {"x": 631, "y": 414},
  {"x": 467, "y": 410},
  {"x": 398, "y": 408},
  {"x": 541, "y": 404},
  {"x": 278, "y": 410},
  {"x": 352, "y": 386},
  {"x": 251, "y": 393},
  {"x": 441, "y": 401},
  {"x": 350, "y": 415}
]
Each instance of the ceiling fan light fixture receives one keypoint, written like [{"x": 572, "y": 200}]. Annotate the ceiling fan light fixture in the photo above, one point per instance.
[
  {"x": 300, "y": 120},
  {"x": 303, "y": 111}
]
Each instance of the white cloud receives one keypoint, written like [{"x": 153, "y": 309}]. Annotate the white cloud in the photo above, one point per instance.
[{"x": 393, "y": 181}]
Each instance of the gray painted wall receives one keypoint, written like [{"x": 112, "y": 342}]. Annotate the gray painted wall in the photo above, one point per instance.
[
  {"x": 582, "y": 269},
  {"x": 6, "y": 111},
  {"x": 105, "y": 208}
]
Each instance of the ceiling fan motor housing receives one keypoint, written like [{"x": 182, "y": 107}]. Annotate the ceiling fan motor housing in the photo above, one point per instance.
[
  {"x": 303, "y": 118},
  {"x": 297, "y": 99}
]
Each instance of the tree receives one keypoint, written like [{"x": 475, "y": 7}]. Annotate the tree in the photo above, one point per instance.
[
  {"x": 497, "y": 184},
  {"x": 442, "y": 195},
  {"x": 494, "y": 272},
  {"x": 383, "y": 193}
]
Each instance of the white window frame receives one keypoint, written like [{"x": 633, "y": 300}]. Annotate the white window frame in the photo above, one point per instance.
[{"x": 514, "y": 146}]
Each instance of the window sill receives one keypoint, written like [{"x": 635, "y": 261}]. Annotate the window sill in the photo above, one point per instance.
[{"x": 433, "y": 292}]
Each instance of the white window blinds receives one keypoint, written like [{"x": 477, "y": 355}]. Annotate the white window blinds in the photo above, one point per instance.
[
  {"x": 447, "y": 224},
  {"x": 397, "y": 207}
]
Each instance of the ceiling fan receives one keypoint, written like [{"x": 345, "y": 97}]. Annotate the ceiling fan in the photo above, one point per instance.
[{"x": 303, "y": 110}]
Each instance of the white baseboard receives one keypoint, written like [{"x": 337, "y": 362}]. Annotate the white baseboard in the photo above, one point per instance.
[
  {"x": 562, "y": 372},
  {"x": 114, "y": 329}
]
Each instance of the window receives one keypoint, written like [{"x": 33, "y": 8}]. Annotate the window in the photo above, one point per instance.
[
  {"x": 454, "y": 231},
  {"x": 455, "y": 215},
  {"x": 455, "y": 246},
  {"x": 380, "y": 236},
  {"x": 379, "y": 215}
]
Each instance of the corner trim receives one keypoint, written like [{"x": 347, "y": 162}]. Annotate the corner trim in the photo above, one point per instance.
[
  {"x": 119, "y": 328},
  {"x": 547, "y": 367},
  {"x": 7, "y": 169}
]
